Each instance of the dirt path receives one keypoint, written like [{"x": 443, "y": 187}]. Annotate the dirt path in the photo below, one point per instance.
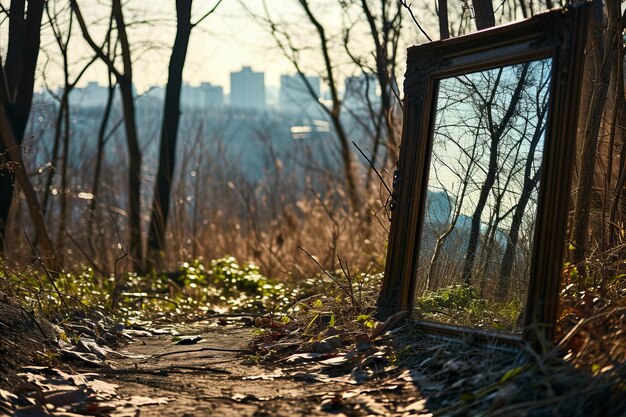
[{"x": 229, "y": 383}]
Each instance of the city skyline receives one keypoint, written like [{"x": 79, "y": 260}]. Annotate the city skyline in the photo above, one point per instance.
[
  {"x": 291, "y": 95},
  {"x": 226, "y": 41}
]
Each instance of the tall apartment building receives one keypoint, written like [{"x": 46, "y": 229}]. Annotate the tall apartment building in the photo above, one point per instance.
[{"x": 247, "y": 89}]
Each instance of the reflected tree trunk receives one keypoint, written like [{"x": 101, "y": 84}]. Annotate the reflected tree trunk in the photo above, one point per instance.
[
  {"x": 530, "y": 183},
  {"x": 496, "y": 130}
]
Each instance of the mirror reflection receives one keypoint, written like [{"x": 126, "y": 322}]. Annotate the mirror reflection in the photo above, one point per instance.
[{"x": 477, "y": 236}]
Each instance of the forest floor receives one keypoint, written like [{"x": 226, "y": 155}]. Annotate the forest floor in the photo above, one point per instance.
[
  {"x": 211, "y": 367},
  {"x": 230, "y": 368},
  {"x": 251, "y": 365},
  {"x": 208, "y": 379}
]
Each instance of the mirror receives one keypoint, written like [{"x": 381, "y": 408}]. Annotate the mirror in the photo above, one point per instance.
[
  {"x": 481, "y": 189},
  {"x": 483, "y": 185}
]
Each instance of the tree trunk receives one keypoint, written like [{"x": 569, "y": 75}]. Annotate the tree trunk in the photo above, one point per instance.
[
  {"x": 95, "y": 188},
  {"x": 135, "y": 247},
  {"x": 444, "y": 29},
  {"x": 55, "y": 152},
  {"x": 14, "y": 151},
  {"x": 580, "y": 223},
  {"x": 485, "y": 17},
  {"x": 17, "y": 88},
  {"x": 169, "y": 136}
]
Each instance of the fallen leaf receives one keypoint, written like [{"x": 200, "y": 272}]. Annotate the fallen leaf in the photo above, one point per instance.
[
  {"x": 137, "y": 333},
  {"x": 188, "y": 340},
  {"x": 246, "y": 398},
  {"x": 384, "y": 327},
  {"x": 141, "y": 401},
  {"x": 66, "y": 399},
  {"x": 417, "y": 406},
  {"x": 170, "y": 332},
  {"x": 90, "y": 346},
  {"x": 88, "y": 358},
  {"x": 307, "y": 377},
  {"x": 330, "y": 344},
  {"x": 305, "y": 357},
  {"x": 336, "y": 361},
  {"x": 31, "y": 411},
  {"x": 457, "y": 366},
  {"x": 362, "y": 342},
  {"x": 265, "y": 377},
  {"x": 103, "y": 389},
  {"x": 334, "y": 403},
  {"x": 371, "y": 406}
]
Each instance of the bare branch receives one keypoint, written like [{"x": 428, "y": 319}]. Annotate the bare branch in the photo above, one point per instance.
[{"x": 207, "y": 14}]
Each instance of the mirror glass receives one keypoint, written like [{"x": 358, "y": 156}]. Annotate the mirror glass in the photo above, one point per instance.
[{"x": 483, "y": 182}]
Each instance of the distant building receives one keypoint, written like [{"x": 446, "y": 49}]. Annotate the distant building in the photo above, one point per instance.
[
  {"x": 204, "y": 96},
  {"x": 247, "y": 89},
  {"x": 295, "y": 95},
  {"x": 359, "y": 90},
  {"x": 213, "y": 95},
  {"x": 154, "y": 95},
  {"x": 92, "y": 95}
]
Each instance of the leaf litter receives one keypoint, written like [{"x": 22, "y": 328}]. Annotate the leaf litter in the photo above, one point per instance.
[
  {"x": 47, "y": 391},
  {"x": 383, "y": 371}
]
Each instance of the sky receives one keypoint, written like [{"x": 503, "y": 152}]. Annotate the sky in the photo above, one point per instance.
[
  {"x": 224, "y": 42},
  {"x": 220, "y": 44}
]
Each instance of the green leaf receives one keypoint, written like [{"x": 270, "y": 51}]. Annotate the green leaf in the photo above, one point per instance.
[{"x": 513, "y": 372}]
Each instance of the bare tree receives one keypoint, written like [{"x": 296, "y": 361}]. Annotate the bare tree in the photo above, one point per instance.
[
  {"x": 485, "y": 17},
  {"x": 606, "y": 40},
  {"x": 124, "y": 79},
  {"x": 497, "y": 128},
  {"x": 63, "y": 115},
  {"x": 287, "y": 45},
  {"x": 384, "y": 20},
  {"x": 17, "y": 79},
  {"x": 169, "y": 131},
  {"x": 532, "y": 175}
]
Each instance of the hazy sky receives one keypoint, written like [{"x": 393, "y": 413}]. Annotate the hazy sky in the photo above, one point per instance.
[{"x": 224, "y": 42}]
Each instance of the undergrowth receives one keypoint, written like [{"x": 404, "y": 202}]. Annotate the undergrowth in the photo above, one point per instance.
[{"x": 463, "y": 305}]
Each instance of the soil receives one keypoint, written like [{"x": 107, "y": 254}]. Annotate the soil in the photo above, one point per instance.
[
  {"x": 24, "y": 340},
  {"x": 214, "y": 382}
]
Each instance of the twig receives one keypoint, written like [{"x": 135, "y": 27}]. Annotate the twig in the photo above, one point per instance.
[
  {"x": 178, "y": 352},
  {"x": 116, "y": 289},
  {"x": 578, "y": 326},
  {"x": 32, "y": 317},
  {"x": 324, "y": 271},
  {"x": 164, "y": 371},
  {"x": 373, "y": 167},
  {"x": 408, "y": 7},
  {"x": 346, "y": 271},
  {"x": 82, "y": 251},
  {"x": 207, "y": 14},
  {"x": 48, "y": 274}
]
